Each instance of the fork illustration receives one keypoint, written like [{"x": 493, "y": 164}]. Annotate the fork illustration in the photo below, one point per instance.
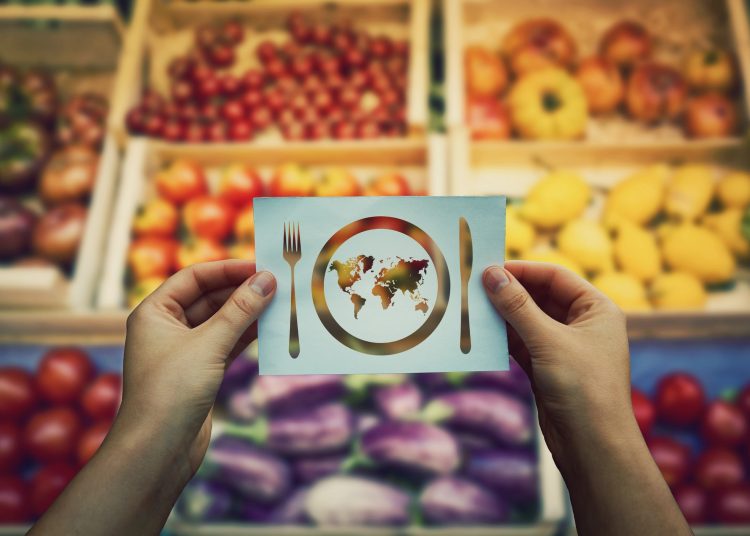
[{"x": 292, "y": 254}]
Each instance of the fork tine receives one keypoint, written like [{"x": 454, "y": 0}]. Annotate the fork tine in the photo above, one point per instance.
[
  {"x": 284, "y": 242},
  {"x": 299, "y": 240}
]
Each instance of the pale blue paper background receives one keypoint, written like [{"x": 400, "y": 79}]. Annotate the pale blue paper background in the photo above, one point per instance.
[{"x": 319, "y": 219}]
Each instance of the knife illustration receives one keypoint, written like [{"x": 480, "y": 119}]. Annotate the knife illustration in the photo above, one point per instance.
[{"x": 466, "y": 253}]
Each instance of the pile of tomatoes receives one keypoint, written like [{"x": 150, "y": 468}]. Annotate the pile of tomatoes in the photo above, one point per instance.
[
  {"x": 711, "y": 485},
  {"x": 51, "y": 423}
]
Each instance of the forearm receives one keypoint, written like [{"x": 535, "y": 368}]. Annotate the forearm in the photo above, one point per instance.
[
  {"x": 128, "y": 487},
  {"x": 615, "y": 485}
]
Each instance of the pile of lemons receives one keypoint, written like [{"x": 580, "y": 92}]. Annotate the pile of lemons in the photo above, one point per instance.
[{"x": 663, "y": 236}]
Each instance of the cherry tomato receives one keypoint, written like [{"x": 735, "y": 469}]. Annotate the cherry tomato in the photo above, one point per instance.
[
  {"x": 17, "y": 394},
  {"x": 679, "y": 399},
  {"x": 52, "y": 435},
  {"x": 239, "y": 185},
  {"x": 644, "y": 411},
  {"x": 672, "y": 458},
  {"x": 693, "y": 501},
  {"x": 91, "y": 440},
  {"x": 152, "y": 257},
  {"x": 731, "y": 506},
  {"x": 102, "y": 398},
  {"x": 723, "y": 424},
  {"x": 209, "y": 217},
  {"x": 14, "y": 500},
  {"x": 718, "y": 468},
  {"x": 11, "y": 449},
  {"x": 47, "y": 484},
  {"x": 63, "y": 375},
  {"x": 743, "y": 401}
]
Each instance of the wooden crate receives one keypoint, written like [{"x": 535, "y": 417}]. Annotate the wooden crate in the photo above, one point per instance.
[
  {"x": 81, "y": 46},
  {"x": 677, "y": 25},
  {"x": 484, "y": 168},
  {"x": 420, "y": 161},
  {"x": 160, "y": 31}
]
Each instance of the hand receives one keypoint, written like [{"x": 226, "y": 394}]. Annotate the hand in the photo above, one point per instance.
[
  {"x": 180, "y": 341},
  {"x": 572, "y": 342}
]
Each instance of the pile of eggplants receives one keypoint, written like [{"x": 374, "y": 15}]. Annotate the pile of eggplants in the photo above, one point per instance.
[{"x": 392, "y": 450}]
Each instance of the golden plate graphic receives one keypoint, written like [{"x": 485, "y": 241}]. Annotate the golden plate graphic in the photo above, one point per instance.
[{"x": 321, "y": 267}]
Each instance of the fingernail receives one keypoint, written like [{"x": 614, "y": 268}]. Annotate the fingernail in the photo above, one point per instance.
[
  {"x": 262, "y": 283},
  {"x": 495, "y": 278}
]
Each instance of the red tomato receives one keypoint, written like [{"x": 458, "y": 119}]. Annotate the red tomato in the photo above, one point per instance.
[
  {"x": 672, "y": 458},
  {"x": 693, "y": 501},
  {"x": 47, "y": 484},
  {"x": 718, "y": 468},
  {"x": 200, "y": 250},
  {"x": 63, "y": 375},
  {"x": 151, "y": 257},
  {"x": 17, "y": 393},
  {"x": 11, "y": 451},
  {"x": 723, "y": 424},
  {"x": 644, "y": 411},
  {"x": 209, "y": 217},
  {"x": 14, "y": 500},
  {"x": 679, "y": 399},
  {"x": 52, "y": 435},
  {"x": 732, "y": 506},
  {"x": 102, "y": 398},
  {"x": 743, "y": 401},
  {"x": 91, "y": 440},
  {"x": 244, "y": 225},
  {"x": 181, "y": 182},
  {"x": 239, "y": 185}
]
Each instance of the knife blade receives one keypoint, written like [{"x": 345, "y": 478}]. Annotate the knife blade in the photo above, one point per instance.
[{"x": 466, "y": 252}]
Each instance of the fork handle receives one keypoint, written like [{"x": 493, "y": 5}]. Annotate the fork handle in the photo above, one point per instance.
[{"x": 293, "y": 333}]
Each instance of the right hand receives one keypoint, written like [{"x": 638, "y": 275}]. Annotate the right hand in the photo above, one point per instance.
[{"x": 572, "y": 342}]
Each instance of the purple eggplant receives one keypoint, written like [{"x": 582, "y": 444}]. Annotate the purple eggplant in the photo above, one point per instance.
[
  {"x": 252, "y": 512},
  {"x": 319, "y": 430},
  {"x": 276, "y": 394},
  {"x": 252, "y": 472},
  {"x": 513, "y": 380},
  {"x": 433, "y": 381},
  {"x": 365, "y": 421},
  {"x": 291, "y": 511},
  {"x": 308, "y": 470},
  {"x": 513, "y": 474},
  {"x": 204, "y": 500},
  {"x": 398, "y": 401},
  {"x": 417, "y": 446},
  {"x": 499, "y": 415},
  {"x": 238, "y": 376},
  {"x": 354, "y": 502},
  {"x": 456, "y": 501},
  {"x": 241, "y": 408},
  {"x": 472, "y": 441}
]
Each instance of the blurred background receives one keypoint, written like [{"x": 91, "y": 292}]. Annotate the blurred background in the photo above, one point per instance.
[{"x": 134, "y": 136}]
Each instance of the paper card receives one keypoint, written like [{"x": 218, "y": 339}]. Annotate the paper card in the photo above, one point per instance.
[{"x": 381, "y": 284}]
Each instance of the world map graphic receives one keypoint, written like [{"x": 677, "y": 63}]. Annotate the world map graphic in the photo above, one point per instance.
[{"x": 384, "y": 277}]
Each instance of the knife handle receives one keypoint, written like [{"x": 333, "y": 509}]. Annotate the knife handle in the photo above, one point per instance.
[{"x": 465, "y": 333}]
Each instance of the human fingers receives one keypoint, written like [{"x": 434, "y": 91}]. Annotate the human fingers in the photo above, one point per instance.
[
  {"x": 514, "y": 303},
  {"x": 205, "y": 306},
  {"x": 185, "y": 287},
  {"x": 243, "y": 307},
  {"x": 560, "y": 284}
]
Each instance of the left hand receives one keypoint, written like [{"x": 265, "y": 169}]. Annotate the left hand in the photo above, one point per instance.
[{"x": 180, "y": 340}]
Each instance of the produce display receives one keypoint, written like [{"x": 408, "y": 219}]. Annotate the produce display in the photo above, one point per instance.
[
  {"x": 638, "y": 241},
  {"x": 538, "y": 85},
  {"x": 49, "y": 157},
  {"x": 52, "y": 421},
  {"x": 320, "y": 81},
  {"x": 700, "y": 446},
  {"x": 381, "y": 450},
  {"x": 205, "y": 214}
]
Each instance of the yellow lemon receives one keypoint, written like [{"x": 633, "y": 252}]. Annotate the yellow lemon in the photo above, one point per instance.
[
  {"x": 733, "y": 189},
  {"x": 689, "y": 192},
  {"x": 587, "y": 243},
  {"x": 626, "y": 291},
  {"x": 638, "y": 198},
  {"x": 637, "y": 252},
  {"x": 728, "y": 225},
  {"x": 700, "y": 252},
  {"x": 553, "y": 256},
  {"x": 555, "y": 199},
  {"x": 519, "y": 234},
  {"x": 677, "y": 290}
]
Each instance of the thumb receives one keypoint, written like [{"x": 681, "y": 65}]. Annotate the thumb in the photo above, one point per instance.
[
  {"x": 242, "y": 308},
  {"x": 513, "y": 302}
]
